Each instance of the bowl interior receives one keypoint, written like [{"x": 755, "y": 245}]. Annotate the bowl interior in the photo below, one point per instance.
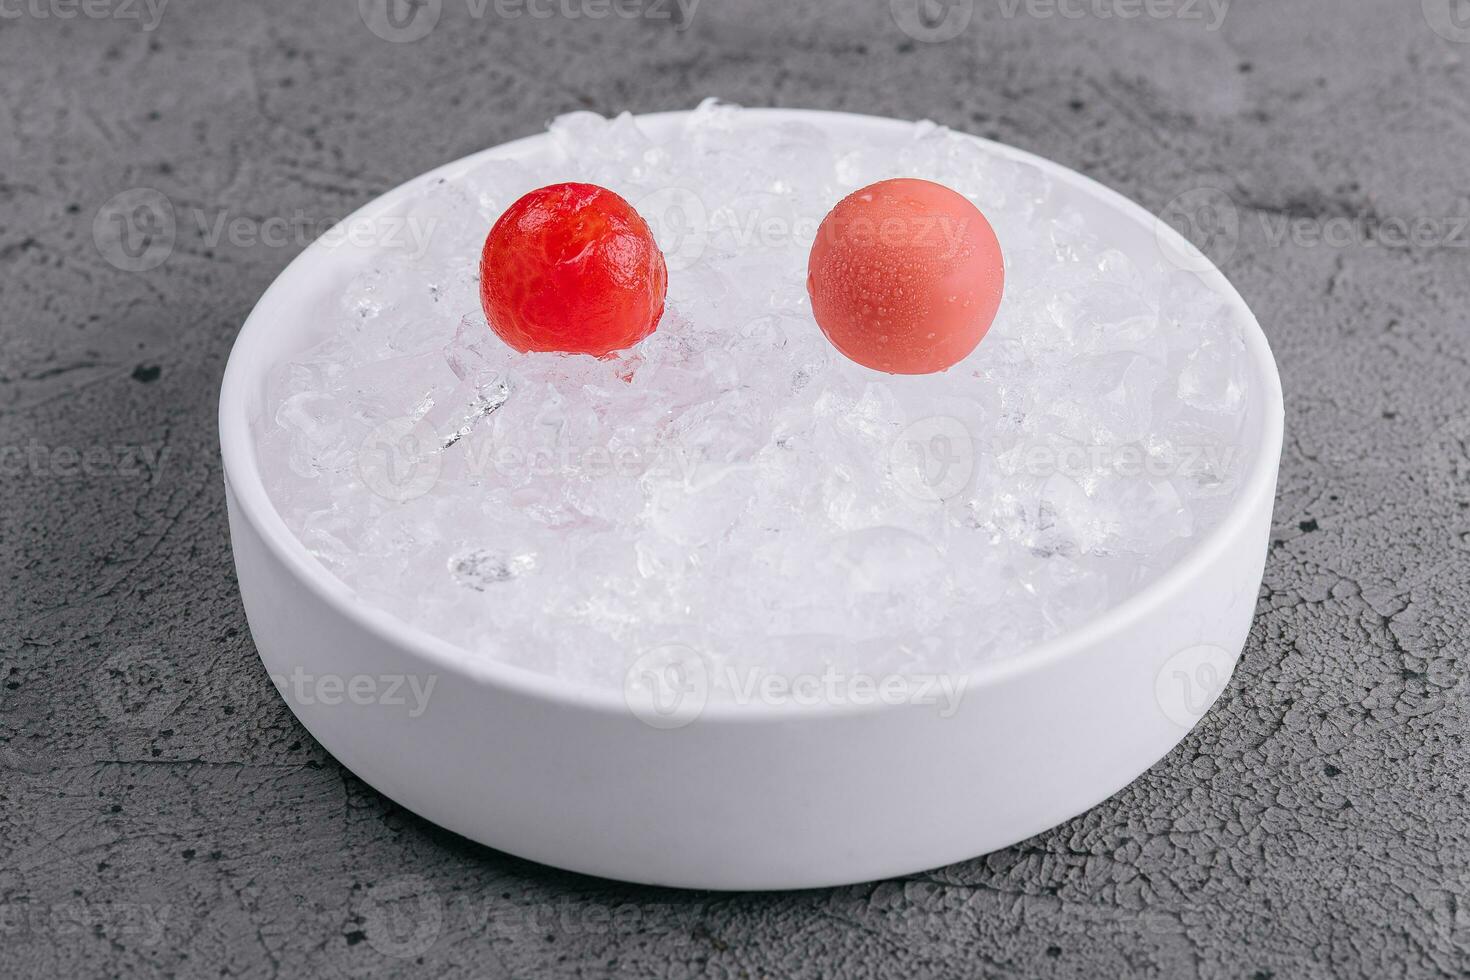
[{"x": 296, "y": 313}]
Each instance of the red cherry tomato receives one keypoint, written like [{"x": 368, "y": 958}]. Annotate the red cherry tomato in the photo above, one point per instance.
[
  {"x": 905, "y": 276},
  {"x": 572, "y": 268}
]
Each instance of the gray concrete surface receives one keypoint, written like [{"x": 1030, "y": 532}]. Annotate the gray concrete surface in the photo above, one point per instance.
[{"x": 161, "y": 812}]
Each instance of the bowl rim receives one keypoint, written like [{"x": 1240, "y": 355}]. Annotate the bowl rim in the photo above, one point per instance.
[{"x": 253, "y": 504}]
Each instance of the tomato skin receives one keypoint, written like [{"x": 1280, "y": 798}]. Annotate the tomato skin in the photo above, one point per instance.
[
  {"x": 905, "y": 276},
  {"x": 572, "y": 268}
]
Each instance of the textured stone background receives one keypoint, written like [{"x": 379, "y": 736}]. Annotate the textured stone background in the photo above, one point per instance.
[{"x": 161, "y": 813}]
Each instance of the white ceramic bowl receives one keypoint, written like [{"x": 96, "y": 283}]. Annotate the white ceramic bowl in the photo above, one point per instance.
[{"x": 745, "y": 796}]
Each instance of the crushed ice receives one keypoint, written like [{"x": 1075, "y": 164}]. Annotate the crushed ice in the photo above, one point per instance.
[{"x": 733, "y": 483}]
